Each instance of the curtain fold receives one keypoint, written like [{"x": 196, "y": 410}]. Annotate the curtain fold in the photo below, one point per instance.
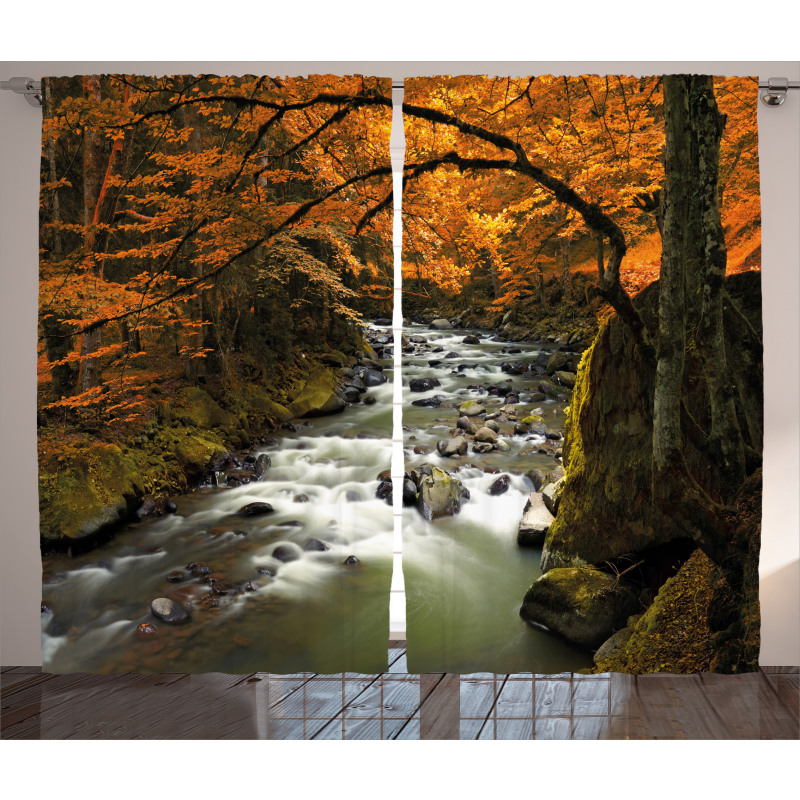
[
  {"x": 214, "y": 412},
  {"x": 583, "y": 376}
]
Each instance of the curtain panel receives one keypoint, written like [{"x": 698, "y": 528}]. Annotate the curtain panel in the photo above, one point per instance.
[
  {"x": 213, "y": 417},
  {"x": 582, "y": 374}
]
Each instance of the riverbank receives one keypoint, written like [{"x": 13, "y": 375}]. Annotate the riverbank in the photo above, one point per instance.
[{"x": 92, "y": 481}]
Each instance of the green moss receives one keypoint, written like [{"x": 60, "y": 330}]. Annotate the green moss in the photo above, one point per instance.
[
  {"x": 82, "y": 491},
  {"x": 672, "y": 635},
  {"x": 318, "y": 395},
  {"x": 194, "y": 406}
]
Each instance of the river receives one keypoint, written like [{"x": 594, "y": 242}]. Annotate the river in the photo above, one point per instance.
[
  {"x": 465, "y": 576},
  {"x": 315, "y": 614}
]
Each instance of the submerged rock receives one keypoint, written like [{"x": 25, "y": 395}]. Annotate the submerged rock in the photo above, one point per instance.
[
  {"x": 255, "y": 509},
  {"x": 582, "y": 604},
  {"x": 423, "y": 384},
  {"x": 168, "y": 611},
  {"x": 286, "y": 553},
  {"x": 500, "y": 486}
]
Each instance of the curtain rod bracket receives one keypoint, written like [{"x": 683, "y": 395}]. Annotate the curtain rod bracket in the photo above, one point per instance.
[
  {"x": 776, "y": 90},
  {"x": 31, "y": 89}
]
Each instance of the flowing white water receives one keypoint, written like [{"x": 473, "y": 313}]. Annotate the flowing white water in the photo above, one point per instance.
[
  {"x": 314, "y": 613},
  {"x": 465, "y": 576}
]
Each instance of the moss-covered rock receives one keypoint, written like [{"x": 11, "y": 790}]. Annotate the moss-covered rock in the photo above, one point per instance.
[
  {"x": 672, "y": 635},
  {"x": 582, "y": 604},
  {"x": 82, "y": 492},
  {"x": 194, "y": 406},
  {"x": 439, "y": 494},
  {"x": 319, "y": 395}
]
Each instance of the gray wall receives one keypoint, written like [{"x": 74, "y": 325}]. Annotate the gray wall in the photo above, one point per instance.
[{"x": 779, "y": 147}]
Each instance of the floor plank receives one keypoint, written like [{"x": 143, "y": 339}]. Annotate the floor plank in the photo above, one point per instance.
[{"x": 37, "y": 705}]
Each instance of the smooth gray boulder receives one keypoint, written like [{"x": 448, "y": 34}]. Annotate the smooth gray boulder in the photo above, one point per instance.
[
  {"x": 456, "y": 446},
  {"x": 551, "y": 494},
  {"x": 441, "y": 325},
  {"x": 486, "y": 435}
]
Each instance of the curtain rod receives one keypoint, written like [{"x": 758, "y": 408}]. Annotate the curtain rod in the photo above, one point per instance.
[{"x": 775, "y": 94}]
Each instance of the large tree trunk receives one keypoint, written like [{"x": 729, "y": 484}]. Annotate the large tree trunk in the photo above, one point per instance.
[
  {"x": 672, "y": 297},
  {"x": 725, "y": 439}
]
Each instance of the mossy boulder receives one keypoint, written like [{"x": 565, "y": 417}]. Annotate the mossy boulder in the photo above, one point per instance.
[
  {"x": 319, "y": 396},
  {"x": 82, "y": 493},
  {"x": 606, "y": 507},
  {"x": 582, "y": 604},
  {"x": 195, "y": 407},
  {"x": 672, "y": 635},
  {"x": 471, "y": 409},
  {"x": 257, "y": 402}
]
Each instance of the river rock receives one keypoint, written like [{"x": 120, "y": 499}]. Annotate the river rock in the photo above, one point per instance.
[
  {"x": 492, "y": 425},
  {"x": 556, "y": 362},
  {"x": 373, "y": 377},
  {"x": 417, "y": 339},
  {"x": 536, "y": 521},
  {"x": 441, "y": 325},
  {"x": 315, "y": 545},
  {"x": 566, "y": 378},
  {"x": 263, "y": 463},
  {"x": 370, "y": 399},
  {"x": 255, "y": 510},
  {"x": 430, "y": 402},
  {"x": 384, "y": 490},
  {"x": 382, "y": 321},
  {"x": 300, "y": 498},
  {"x": 351, "y": 561},
  {"x": 198, "y": 570},
  {"x": 613, "y": 645},
  {"x": 351, "y": 394},
  {"x": 176, "y": 576},
  {"x": 471, "y": 339},
  {"x": 146, "y": 630},
  {"x": 423, "y": 384},
  {"x": 440, "y": 494},
  {"x": 537, "y": 478},
  {"x": 465, "y": 424},
  {"x": 582, "y": 604},
  {"x": 168, "y": 611},
  {"x": 486, "y": 435},
  {"x": 501, "y": 444},
  {"x": 452, "y": 447},
  {"x": 482, "y": 447},
  {"x": 471, "y": 409},
  {"x": 409, "y": 492},
  {"x": 548, "y": 389},
  {"x": 286, "y": 553},
  {"x": 500, "y": 486},
  {"x": 551, "y": 494}
]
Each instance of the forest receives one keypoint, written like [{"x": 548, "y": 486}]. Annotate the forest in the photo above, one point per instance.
[{"x": 212, "y": 247}]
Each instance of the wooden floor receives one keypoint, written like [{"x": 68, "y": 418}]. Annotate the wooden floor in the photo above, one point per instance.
[{"x": 396, "y": 705}]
